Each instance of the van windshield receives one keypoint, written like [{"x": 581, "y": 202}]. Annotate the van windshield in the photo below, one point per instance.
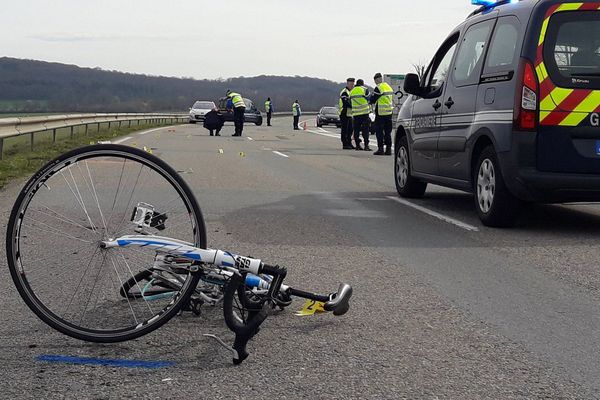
[{"x": 573, "y": 48}]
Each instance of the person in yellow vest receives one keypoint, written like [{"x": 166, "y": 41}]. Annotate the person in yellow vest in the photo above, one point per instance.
[
  {"x": 296, "y": 112},
  {"x": 359, "y": 96},
  {"x": 345, "y": 108},
  {"x": 236, "y": 101},
  {"x": 383, "y": 99},
  {"x": 269, "y": 110}
]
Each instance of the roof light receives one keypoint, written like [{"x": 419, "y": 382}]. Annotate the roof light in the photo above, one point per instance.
[{"x": 491, "y": 3}]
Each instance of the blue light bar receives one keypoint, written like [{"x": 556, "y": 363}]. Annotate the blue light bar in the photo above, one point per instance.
[{"x": 491, "y": 3}]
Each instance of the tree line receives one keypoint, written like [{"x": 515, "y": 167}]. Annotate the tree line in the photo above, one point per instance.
[{"x": 38, "y": 86}]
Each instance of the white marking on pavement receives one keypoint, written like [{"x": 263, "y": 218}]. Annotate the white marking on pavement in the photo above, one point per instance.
[
  {"x": 435, "y": 214},
  {"x": 281, "y": 154},
  {"x": 121, "y": 140},
  {"x": 153, "y": 130},
  {"x": 249, "y": 138},
  {"x": 324, "y": 134}
]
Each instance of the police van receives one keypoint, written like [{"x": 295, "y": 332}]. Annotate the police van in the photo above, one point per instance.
[{"x": 509, "y": 109}]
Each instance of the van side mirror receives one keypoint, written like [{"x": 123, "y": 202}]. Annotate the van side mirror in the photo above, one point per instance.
[{"x": 412, "y": 85}]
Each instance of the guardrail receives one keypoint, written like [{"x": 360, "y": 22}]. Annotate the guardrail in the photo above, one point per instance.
[{"x": 11, "y": 127}]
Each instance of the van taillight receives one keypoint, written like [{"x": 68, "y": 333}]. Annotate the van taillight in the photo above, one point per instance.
[{"x": 527, "y": 103}]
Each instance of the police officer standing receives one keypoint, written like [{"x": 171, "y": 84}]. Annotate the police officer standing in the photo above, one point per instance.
[
  {"x": 296, "y": 112},
  {"x": 360, "y": 114},
  {"x": 382, "y": 98},
  {"x": 269, "y": 110},
  {"x": 345, "y": 106},
  {"x": 239, "y": 108}
]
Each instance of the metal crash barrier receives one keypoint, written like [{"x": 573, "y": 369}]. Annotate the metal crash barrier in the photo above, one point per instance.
[{"x": 18, "y": 126}]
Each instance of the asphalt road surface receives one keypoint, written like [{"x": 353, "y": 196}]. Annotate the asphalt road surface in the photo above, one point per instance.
[{"x": 443, "y": 307}]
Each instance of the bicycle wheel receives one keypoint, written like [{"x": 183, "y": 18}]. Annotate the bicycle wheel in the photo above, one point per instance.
[{"x": 56, "y": 226}]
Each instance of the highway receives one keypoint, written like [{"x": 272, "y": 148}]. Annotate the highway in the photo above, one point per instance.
[{"x": 443, "y": 307}]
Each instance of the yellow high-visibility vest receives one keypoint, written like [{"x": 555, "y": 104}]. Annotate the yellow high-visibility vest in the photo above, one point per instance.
[
  {"x": 385, "y": 103},
  {"x": 296, "y": 110},
  {"x": 237, "y": 99},
  {"x": 341, "y": 103},
  {"x": 360, "y": 103},
  {"x": 267, "y": 106}
]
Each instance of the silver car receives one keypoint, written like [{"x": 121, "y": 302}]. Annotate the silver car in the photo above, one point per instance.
[{"x": 199, "y": 110}]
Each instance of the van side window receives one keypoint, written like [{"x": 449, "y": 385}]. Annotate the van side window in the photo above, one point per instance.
[
  {"x": 467, "y": 68},
  {"x": 437, "y": 74},
  {"x": 502, "y": 52}
]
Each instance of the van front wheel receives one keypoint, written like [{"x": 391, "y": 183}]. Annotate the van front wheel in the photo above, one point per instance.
[{"x": 496, "y": 206}]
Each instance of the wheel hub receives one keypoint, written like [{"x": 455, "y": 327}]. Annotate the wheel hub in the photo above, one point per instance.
[{"x": 486, "y": 185}]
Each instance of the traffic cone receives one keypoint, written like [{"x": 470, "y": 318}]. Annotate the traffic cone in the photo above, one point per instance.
[{"x": 304, "y": 126}]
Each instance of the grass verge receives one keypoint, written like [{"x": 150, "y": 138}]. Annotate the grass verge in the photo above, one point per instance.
[{"x": 19, "y": 161}]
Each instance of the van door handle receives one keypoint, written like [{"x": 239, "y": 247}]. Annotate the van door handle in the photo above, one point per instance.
[
  {"x": 449, "y": 103},
  {"x": 437, "y": 105}
]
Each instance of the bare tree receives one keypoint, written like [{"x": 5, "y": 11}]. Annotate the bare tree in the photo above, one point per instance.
[{"x": 420, "y": 68}]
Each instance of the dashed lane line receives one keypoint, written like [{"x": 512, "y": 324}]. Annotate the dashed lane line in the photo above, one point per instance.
[{"x": 281, "y": 154}]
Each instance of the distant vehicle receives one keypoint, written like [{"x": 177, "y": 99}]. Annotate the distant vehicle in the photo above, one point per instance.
[
  {"x": 509, "y": 109},
  {"x": 252, "y": 114},
  {"x": 199, "y": 110},
  {"x": 328, "y": 116}
]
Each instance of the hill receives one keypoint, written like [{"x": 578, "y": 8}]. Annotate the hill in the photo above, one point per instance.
[{"x": 38, "y": 86}]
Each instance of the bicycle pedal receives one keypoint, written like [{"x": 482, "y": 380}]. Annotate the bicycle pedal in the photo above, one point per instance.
[{"x": 223, "y": 344}]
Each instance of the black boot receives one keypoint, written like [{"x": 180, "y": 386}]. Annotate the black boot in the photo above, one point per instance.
[
  {"x": 379, "y": 152},
  {"x": 388, "y": 150}
]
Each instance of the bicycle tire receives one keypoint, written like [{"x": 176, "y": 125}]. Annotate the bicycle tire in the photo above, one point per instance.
[{"x": 65, "y": 162}]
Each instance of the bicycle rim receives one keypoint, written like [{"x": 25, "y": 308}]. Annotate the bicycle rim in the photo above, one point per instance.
[{"x": 54, "y": 234}]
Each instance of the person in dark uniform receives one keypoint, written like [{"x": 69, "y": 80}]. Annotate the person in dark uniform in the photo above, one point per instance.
[
  {"x": 383, "y": 99},
  {"x": 236, "y": 102},
  {"x": 359, "y": 96},
  {"x": 297, "y": 113},
  {"x": 269, "y": 110},
  {"x": 214, "y": 121},
  {"x": 345, "y": 107}
]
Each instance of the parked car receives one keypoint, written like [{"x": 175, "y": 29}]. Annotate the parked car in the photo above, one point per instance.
[
  {"x": 508, "y": 109},
  {"x": 252, "y": 114},
  {"x": 199, "y": 110},
  {"x": 329, "y": 116}
]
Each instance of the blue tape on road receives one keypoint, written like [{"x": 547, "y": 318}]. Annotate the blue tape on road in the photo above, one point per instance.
[{"x": 105, "y": 362}]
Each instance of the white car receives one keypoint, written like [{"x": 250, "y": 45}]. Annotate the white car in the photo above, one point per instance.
[{"x": 199, "y": 110}]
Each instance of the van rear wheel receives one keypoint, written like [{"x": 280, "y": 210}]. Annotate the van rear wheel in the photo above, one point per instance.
[
  {"x": 406, "y": 185},
  {"x": 496, "y": 206}
]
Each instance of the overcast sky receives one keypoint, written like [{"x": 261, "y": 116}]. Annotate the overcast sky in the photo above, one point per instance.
[{"x": 329, "y": 39}]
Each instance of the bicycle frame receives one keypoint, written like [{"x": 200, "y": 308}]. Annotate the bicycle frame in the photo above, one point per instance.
[{"x": 219, "y": 258}]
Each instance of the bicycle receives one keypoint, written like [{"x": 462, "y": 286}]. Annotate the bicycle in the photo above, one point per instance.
[{"x": 107, "y": 243}]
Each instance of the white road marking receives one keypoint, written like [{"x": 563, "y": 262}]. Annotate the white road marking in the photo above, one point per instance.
[
  {"x": 249, "y": 138},
  {"x": 281, "y": 154},
  {"x": 156, "y": 129},
  {"x": 324, "y": 134},
  {"x": 435, "y": 214},
  {"x": 119, "y": 141}
]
